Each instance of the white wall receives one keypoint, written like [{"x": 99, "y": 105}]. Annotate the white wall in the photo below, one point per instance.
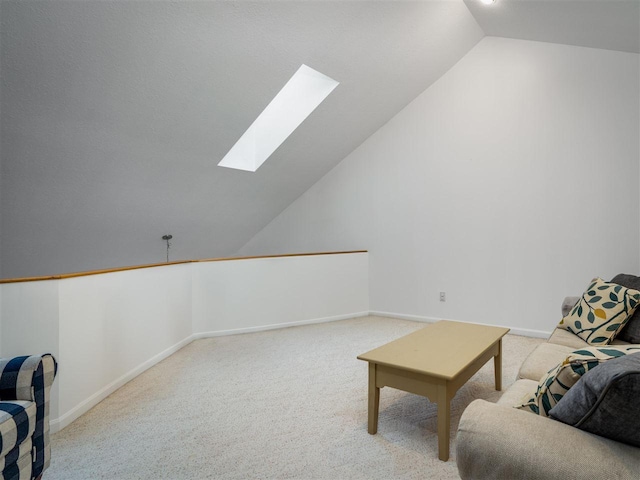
[
  {"x": 247, "y": 295},
  {"x": 114, "y": 326},
  {"x": 509, "y": 183},
  {"x": 29, "y": 323},
  {"x": 106, "y": 329}
]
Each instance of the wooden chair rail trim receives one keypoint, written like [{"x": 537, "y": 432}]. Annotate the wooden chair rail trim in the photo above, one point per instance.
[{"x": 179, "y": 262}]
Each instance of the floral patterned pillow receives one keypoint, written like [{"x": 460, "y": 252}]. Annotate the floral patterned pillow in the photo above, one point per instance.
[
  {"x": 601, "y": 312},
  {"x": 556, "y": 382}
]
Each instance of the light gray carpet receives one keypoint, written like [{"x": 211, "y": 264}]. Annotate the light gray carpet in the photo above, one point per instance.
[{"x": 288, "y": 403}]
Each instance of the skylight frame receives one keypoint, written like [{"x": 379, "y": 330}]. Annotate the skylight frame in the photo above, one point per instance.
[{"x": 299, "y": 97}]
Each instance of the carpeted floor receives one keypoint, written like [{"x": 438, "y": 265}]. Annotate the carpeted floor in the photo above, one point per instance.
[{"x": 288, "y": 403}]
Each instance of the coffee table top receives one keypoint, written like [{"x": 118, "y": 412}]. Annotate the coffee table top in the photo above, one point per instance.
[{"x": 442, "y": 349}]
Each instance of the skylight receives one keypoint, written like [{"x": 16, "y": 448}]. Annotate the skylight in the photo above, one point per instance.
[{"x": 300, "y": 96}]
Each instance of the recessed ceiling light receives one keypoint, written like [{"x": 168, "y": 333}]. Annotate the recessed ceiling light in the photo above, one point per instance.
[
  {"x": 289, "y": 108},
  {"x": 488, "y": 2}
]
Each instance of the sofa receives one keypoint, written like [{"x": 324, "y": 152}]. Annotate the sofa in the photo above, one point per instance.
[
  {"x": 25, "y": 384},
  {"x": 498, "y": 441}
]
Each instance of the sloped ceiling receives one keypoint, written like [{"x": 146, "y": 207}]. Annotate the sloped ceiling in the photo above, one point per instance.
[
  {"x": 607, "y": 24},
  {"x": 115, "y": 114}
]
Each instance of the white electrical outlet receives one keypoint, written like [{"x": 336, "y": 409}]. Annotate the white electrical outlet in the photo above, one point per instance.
[{"x": 443, "y": 297}]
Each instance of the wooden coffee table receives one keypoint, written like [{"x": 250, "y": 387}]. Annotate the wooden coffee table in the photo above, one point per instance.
[{"x": 433, "y": 362}]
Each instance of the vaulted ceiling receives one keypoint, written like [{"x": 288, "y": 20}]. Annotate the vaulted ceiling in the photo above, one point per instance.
[
  {"x": 606, "y": 24},
  {"x": 115, "y": 114}
]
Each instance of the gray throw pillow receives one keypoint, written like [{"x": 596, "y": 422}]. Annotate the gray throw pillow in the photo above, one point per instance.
[
  {"x": 568, "y": 303},
  {"x": 631, "y": 331},
  {"x": 605, "y": 401}
]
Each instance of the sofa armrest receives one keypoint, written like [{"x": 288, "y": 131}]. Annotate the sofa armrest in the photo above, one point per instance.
[
  {"x": 30, "y": 378},
  {"x": 494, "y": 441},
  {"x": 567, "y": 304},
  {"x": 21, "y": 378}
]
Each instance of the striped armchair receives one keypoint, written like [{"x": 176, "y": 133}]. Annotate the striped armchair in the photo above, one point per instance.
[{"x": 25, "y": 383}]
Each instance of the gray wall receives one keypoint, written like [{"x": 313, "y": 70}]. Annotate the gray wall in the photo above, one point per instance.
[
  {"x": 1, "y": 136},
  {"x": 115, "y": 115}
]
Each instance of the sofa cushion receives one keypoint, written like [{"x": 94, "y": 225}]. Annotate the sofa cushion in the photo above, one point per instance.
[
  {"x": 516, "y": 392},
  {"x": 545, "y": 357},
  {"x": 560, "y": 336},
  {"x": 557, "y": 382},
  {"x": 604, "y": 401},
  {"x": 631, "y": 330},
  {"x": 601, "y": 312},
  {"x": 17, "y": 423},
  {"x": 564, "y": 337}
]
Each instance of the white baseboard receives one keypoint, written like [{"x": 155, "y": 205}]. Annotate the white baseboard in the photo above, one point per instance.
[
  {"x": 59, "y": 423},
  {"x": 274, "y": 326},
  {"x": 525, "y": 332},
  {"x": 404, "y": 316}
]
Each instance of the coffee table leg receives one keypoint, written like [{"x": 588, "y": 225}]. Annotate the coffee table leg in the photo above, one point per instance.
[
  {"x": 444, "y": 423},
  {"x": 497, "y": 366},
  {"x": 374, "y": 400}
]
